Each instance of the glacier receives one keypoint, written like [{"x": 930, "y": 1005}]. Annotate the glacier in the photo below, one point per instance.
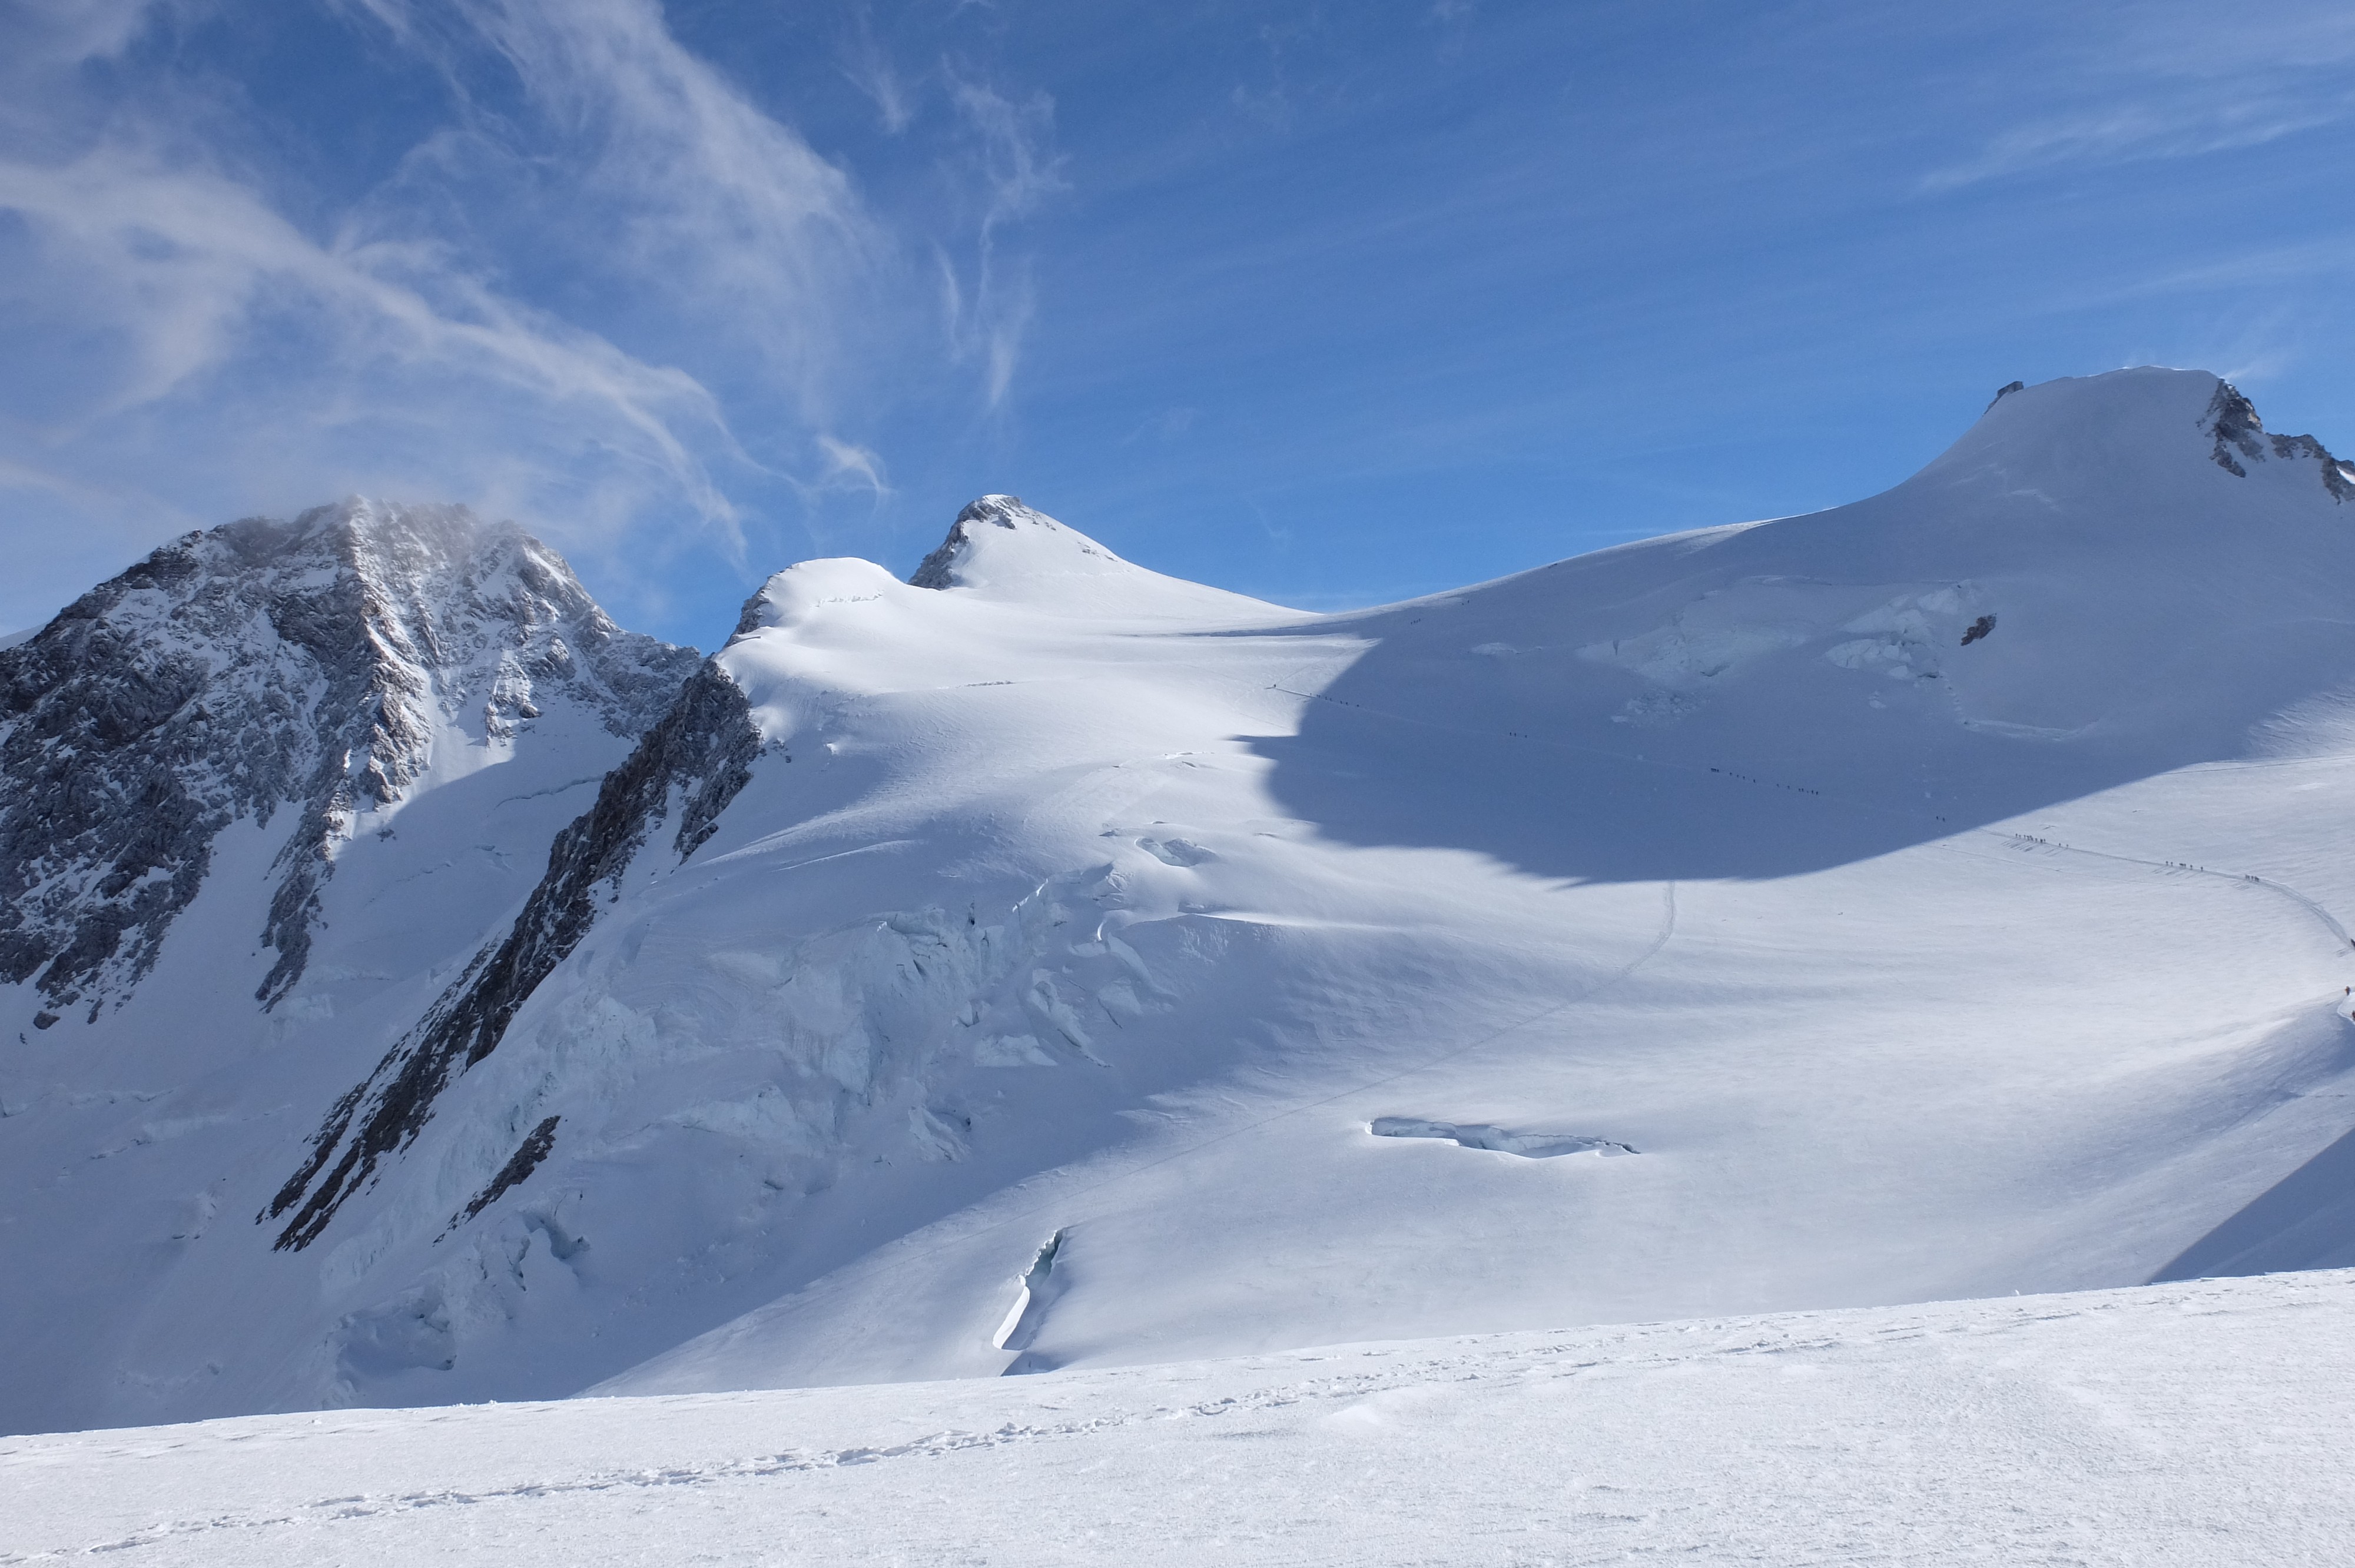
[{"x": 1044, "y": 965}]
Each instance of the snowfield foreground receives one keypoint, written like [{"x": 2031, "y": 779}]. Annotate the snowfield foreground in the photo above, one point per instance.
[{"x": 2210, "y": 1424}]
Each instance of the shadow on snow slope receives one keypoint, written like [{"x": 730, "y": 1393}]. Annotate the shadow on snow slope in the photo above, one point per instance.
[
  {"x": 2306, "y": 1219},
  {"x": 2081, "y": 593}
]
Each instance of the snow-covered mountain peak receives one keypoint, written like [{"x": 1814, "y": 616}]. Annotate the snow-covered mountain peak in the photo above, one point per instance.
[
  {"x": 404, "y": 558},
  {"x": 2083, "y": 439},
  {"x": 394, "y": 549},
  {"x": 1004, "y": 512},
  {"x": 335, "y": 662},
  {"x": 1000, "y": 549},
  {"x": 412, "y": 534},
  {"x": 974, "y": 554}
]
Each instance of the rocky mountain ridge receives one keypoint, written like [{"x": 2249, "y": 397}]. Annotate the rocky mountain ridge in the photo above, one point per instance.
[
  {"x": 267, "y": 666},
  {"x": 2233, "y": 419},
  {"x": 693, "y": 761}
]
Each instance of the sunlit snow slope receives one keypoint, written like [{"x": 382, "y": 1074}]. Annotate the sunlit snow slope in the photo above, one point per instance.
[
  {"x": 1931, "y": 897},
  {"x": 1054, "y": 964},
  {"x": 2208, "y": 1424}
]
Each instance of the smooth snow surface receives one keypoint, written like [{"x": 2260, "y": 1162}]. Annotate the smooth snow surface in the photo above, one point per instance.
[
  {"x": 1936, "y": 898},
  {"x": 2209, "y": 1424}
]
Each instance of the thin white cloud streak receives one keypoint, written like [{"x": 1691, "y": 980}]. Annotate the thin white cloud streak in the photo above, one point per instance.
[
  {"x": 225, "y": 356},
  {"x": 692, "y": 188},
  {"x": 2184, "y": 82},
  {"x": 2267, "y": 266},
  {"x": 1010, "y": 157},
  {"x": 2133, "y": 132},
  {"x": 66, "y": 32},
  {"x": 866, "y": 67},
  {"x": 1168, "y": 425},
  {"x": 2202, "y": 42},
  {"x": 177, "y": 262},
  {"x": 1018, "y": 169},
  {"x": 849, "y": 466}
]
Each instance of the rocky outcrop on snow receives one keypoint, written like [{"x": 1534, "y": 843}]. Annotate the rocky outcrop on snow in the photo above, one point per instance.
[
  {"x": 692, "y": 763},
  {"x": 2233, "y": 419},
  {"x": 942, "y": 568},
  {"x": 998, "y": 548},
  {"x": 938, "y": 570},
  {"x": 309, "y": 666}
]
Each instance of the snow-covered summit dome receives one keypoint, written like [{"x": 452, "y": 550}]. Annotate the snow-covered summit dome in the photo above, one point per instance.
[
  {"x": 997, "y": 537},
  {"x": 1000, "y": 548},
  {"x": 2141, "y": 425}
]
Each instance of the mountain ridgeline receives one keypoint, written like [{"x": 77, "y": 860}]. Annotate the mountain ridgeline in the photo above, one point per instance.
[
  {"x": 263, "y": 667},
  {"x": 692, "y": 762},
  {"x": 423, "y": 990}
]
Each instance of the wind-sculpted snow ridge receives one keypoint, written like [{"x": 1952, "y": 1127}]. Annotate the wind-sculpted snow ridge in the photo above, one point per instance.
[
  {"x": 693, "y": 762},
  {"x": 266, "y": 665}
]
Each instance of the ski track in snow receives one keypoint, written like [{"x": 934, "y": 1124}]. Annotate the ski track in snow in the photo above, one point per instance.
[{"x": 2244, "y": 878}]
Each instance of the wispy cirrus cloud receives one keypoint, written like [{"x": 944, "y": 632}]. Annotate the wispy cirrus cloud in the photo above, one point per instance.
[
  {"x": 2184, "y": 82},
  {"x": 1008, "y": 159},
  {"x": 178, "y": 261},
  {"x": 47, "y": 32},
  {"x": 602, "y": 289},
  {"x": 2133, "y": 131},
  {"x": 247, "y": 354},
  {"x": 849, "y": 466},
  {"x": 869, "y": 67},
  {"x": 684, "y": 179}
]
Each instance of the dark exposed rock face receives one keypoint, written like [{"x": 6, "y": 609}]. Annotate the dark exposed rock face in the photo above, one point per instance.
[
  {"x": 260, "y": 665},
  {"x": 526, "y": 1160},
  {"x": 938, "y": 570},
  {"x": 2233, "y": 419},
  {"x": 693, "y": 761},
  {"x": 2338, "y": 477}
]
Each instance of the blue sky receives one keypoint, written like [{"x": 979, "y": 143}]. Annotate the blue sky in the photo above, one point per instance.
[{"x": 1332, "y": 305}]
